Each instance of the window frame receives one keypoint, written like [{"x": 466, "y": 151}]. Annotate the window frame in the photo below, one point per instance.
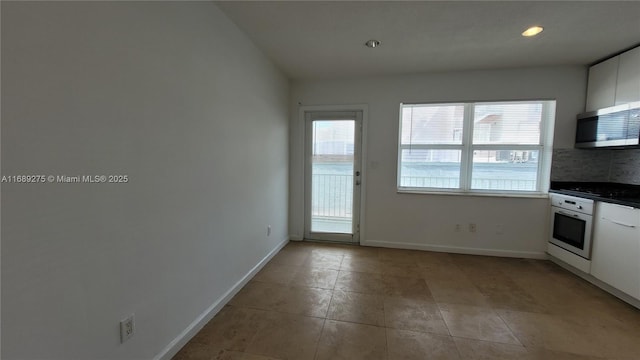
[{"x": 467, "y": 148}]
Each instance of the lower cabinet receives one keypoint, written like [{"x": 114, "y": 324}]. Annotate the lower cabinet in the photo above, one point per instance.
[{"x": 615, "y": 257}]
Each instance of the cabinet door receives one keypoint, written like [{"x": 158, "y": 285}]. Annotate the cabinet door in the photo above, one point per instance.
[
  {"x": 616, "y": 247},
  {"x": 601, "y": 89},
  {"x": 628, "y": 85}
]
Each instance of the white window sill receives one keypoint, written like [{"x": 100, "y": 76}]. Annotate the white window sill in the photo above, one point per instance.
[{"x": 532, "y": 195}]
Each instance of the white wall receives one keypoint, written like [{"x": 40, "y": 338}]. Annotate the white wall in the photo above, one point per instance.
[
  {"x": 175, "y": 96},
  {"x": 427, "y": 221}
]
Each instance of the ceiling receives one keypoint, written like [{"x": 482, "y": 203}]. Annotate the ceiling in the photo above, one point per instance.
[{"x": 325, "y": 39}]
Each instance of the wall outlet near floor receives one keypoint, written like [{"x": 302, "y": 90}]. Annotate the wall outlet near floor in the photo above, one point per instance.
[
  {"x": 499, "y": 229},
  {"x": 472, "y": 227},
  {"x": 268, "y": 230},
  {"x": 126, "y": 328},
  {"x": 457, "y": 228}
]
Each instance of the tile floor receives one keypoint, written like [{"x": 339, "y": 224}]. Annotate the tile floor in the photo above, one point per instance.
[{"x": 330, "y": 302}]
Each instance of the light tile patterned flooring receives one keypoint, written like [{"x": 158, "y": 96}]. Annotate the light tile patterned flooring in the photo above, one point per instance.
[{"x": 332, "y": 302}]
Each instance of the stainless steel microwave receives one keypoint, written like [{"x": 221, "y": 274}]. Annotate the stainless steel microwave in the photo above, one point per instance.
[{"x": 609, "y": 127}]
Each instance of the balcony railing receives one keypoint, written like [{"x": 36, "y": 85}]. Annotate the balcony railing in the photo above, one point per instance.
[
  {"x": 476, "y": 183},
  {"x": 332, "y": 203},
  {"x": 332, "y": 196}
]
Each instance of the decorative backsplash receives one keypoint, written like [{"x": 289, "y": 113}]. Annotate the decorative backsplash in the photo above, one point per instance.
[
  {"x": 625, "y": 166},
  {"x": 596, "y": 165}
]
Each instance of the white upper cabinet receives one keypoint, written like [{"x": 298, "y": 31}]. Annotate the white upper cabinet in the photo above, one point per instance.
[
  {"x": 601, "y": 89},
  {"x": 615, "y": 81},
  {"x": 628, "y": 85}
]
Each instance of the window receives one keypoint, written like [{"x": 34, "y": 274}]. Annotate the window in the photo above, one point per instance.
[{"x": 482, "y": 147}]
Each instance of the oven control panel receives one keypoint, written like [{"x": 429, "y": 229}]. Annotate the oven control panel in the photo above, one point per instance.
[{"x": 572, "y": 203}]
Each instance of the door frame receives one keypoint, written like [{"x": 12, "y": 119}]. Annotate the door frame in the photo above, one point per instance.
[{"x": 302, "y": 202}]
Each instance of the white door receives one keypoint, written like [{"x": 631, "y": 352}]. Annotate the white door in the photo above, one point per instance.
[{"x": 333, "y": 175}]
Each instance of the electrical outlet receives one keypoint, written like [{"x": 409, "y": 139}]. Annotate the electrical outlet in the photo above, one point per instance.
[
  {"x": 457, "y": 227},
  {"x": 126, "y": 328},
  {"x": 472, "y": 227},
  {"x": 268, "y": 230},
  {"x": 499, "y": 229}
]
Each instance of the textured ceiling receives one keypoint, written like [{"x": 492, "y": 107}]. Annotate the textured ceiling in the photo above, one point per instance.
[{"x": 324, "y": 39}]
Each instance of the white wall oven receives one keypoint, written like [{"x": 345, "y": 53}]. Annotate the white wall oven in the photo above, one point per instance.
[{"x": 571, "y": 224}]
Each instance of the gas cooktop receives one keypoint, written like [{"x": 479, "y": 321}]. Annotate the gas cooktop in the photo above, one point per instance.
[
  {"x": 607, "y": 192},
  {"x": 618, "y": 193}
]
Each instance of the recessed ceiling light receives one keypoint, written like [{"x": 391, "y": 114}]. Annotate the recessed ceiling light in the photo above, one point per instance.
[
  {"x": 372, "y": 43},
  {"x": 532, "y": 31}
]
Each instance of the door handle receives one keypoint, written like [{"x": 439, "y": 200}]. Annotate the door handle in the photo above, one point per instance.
[
  {"x": 358, "y": 173},
  {"x": 620, "y": 223},
  {"x": 357, "y": 182}
]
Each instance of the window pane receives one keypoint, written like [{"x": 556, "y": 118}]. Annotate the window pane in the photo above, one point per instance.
[
  {"x": 432, "y": 124},
  {"x": 507, "y": 123},
  {"x": 432, "y": 168},
  {"x": 505, "y": 170}
]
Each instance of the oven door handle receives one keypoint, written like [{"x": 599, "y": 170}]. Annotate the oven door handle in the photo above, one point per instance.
[
  {"x": 620, "y": 223},
  {"x": 567, "y": 214}
]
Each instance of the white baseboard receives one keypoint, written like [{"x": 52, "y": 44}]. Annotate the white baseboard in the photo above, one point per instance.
[
  {"x": 457, "y": 249},
  {"x": 296, "y": 238},
  {"x": 181, "y": 340}
]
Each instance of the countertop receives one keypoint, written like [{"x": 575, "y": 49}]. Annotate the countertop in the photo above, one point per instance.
[{"x": 629, "y": 195}]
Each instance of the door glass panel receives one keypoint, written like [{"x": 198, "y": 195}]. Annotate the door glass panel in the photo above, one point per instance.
[{"x": 332, "y": 163}]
